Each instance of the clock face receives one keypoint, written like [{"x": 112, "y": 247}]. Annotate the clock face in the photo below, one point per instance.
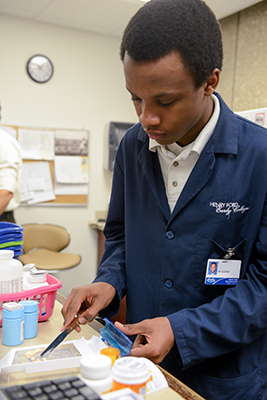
[{"x": 40, "y": 68}]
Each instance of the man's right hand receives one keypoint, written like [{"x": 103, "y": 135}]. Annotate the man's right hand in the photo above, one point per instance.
[{"x": 93, "y": 297}]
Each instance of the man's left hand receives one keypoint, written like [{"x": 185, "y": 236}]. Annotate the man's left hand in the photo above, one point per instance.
[{"x": 154, "y": 339}]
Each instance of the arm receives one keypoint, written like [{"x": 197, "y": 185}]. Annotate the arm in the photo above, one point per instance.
[
  {"x": 106, "y": 288},
  {"x": 112, "y": 266},
  {"x": 10, "y": 171},
  {"x": 5, "y": 197}
]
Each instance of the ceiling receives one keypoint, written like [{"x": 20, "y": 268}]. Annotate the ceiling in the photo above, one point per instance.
[{"x": 100, "y": 16}]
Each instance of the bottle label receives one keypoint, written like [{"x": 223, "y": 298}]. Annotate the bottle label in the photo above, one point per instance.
[
  {"x": 11, "y": 286},
  {"x": 22, "y": 331}
]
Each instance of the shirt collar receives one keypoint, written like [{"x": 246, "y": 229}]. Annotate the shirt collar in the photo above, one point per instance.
[{"x": 201, "y": 140}]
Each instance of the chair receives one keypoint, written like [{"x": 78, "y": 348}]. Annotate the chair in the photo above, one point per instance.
[{"x": 42, "y": 245}]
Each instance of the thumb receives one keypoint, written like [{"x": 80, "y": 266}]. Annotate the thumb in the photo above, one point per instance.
[{"x": 128, "y": 329}]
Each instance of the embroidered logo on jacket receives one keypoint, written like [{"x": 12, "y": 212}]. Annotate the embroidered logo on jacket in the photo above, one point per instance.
[{"x": 228, "y": 208}]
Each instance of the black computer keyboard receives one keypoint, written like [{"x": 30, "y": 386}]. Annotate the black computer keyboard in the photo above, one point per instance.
[{"x": 67, "y": 388}]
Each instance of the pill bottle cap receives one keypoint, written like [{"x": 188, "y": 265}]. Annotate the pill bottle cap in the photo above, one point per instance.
[
  {"x": 30, "y": 306},
  {"x": 112, "y": 353},
  {"x": 95, "y": 366},
  {"x": 13, "y": 310},
  {"x": 130, "y": 370},
  {"x": 36, "y": 276},
  {"x": 6, "y": 254},
  {"x": 28, "y": 267}
]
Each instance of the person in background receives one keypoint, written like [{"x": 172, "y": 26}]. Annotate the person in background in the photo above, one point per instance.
[
  {"x": 189, "y": 186},
  {"x": 10, "y": 175}
]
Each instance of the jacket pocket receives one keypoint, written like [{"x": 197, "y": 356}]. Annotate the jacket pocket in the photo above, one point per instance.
[
  {"x": 246, "y": 387},
  {"x": 209, "y": 248}
]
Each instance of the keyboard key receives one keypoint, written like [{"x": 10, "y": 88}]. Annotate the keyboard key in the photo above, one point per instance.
[
  {"x": 34, "y": 392},
  {"x": 88, "y": 393},
  {"x": 64, "y": 386},
  {"x": 41, "y": 397},
  {"x": 58, "y": 395},
  {"x": 49, "y": 388},
  {"x": 71, "y": 392},
  {"x": 17, "y": 393}
]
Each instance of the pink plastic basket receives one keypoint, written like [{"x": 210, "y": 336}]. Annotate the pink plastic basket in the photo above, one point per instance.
[{"x": 45, "y": 296}]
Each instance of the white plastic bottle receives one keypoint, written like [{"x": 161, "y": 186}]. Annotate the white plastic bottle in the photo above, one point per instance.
[
  {"x": 11, "y": 273},
  {"x": 26, "y": 272},
  {"x": 36, "y": 279},
  {"x": 96, "y": 372}
]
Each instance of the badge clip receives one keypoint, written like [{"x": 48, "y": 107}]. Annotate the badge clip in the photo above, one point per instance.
[{"x": 230, "y": 253}]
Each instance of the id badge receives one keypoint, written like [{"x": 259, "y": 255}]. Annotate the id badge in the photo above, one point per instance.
[{"x": 222, "y": 272}]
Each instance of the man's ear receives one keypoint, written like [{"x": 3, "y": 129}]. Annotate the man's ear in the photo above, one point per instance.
[{"x": 212, "y": 82}]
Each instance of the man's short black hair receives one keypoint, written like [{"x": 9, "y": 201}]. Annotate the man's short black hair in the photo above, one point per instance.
[{"x": 187, "y": 26}]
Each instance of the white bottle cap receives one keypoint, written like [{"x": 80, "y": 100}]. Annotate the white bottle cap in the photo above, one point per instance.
[
  {"x": 95, "y": 366},
  {"x": 28, "y": 267},
  {"x": 34, "y": 277},
  {"x": 4, "y": 254},
  {"x": 130, "y": 370}
]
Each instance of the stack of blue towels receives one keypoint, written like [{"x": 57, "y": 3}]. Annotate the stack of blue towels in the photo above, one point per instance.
[{"x": 11, "y": 238}]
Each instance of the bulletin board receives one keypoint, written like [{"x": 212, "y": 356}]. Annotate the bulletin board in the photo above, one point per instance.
[{"x": 56, "y": 147}]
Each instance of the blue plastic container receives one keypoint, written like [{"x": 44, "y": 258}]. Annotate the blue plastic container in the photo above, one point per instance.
[
  {"x": 31, "y": 318},
  {"x": 13, "y": 324}
]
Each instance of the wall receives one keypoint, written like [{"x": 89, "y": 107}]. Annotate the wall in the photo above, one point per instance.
[
  {"x": 244, "y": 75},
  {"x": 86, "y": 91}
]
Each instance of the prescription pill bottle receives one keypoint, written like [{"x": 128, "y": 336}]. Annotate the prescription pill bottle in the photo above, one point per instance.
[
  {"x": 131, "y": 372},
  {"x": 34, "y": 280},
  {"x": 95, "y": 371},
  {"x": 13, "y": 324},
  {"x": 112, "y": 353},
  {"x": 11, "y": 273},
  {"x": 30, "y": 318}
]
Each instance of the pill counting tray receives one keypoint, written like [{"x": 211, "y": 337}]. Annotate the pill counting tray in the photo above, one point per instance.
[{"x": 67, "y": 355}]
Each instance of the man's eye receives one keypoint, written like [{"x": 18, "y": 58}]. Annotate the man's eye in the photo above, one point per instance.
[
  {"x": 166, "y": 104},
  {"x": 135, "y": 99}
]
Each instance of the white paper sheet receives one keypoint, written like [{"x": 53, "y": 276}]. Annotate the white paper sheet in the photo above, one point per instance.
[
  {"x": 71, "y": 169},
  {"x": 36, "y": 183},
  {"x": 36, "y": 144}
]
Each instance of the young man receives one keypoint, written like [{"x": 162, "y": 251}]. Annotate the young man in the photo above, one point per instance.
[{"x": 189, "y": 188}]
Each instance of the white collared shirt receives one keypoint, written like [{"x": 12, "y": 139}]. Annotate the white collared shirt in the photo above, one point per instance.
[
  {"x": 10, "y": 168},
  {"x": 177, "y": 162}
]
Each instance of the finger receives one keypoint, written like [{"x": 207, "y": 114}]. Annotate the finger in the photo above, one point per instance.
[
  {"x": 140, "y": 340},
  {"x": 88, "y": 315},
  {"x": 128, "y": 329},
  {"x": 70, "y": 309},
  {"x": 138, "y": 352}
]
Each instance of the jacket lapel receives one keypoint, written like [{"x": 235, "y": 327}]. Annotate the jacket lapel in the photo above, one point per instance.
[
  {"x": 151, "y": 168},
  {"x": 197, "y": 179}
]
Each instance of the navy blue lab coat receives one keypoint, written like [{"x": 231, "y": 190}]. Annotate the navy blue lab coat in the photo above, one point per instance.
[{"x": 159, "y": 259}]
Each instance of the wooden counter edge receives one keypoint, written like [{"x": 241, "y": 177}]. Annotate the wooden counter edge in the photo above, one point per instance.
[
  {"x": 179, "y": 387},
  {"x": 176, "y": 385}
]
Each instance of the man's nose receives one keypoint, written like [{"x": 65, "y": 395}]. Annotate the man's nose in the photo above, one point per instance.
[{"x": 149, "y": 117}]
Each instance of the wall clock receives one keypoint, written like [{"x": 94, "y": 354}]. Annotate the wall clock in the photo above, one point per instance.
[{"x": 40, "y": 68}]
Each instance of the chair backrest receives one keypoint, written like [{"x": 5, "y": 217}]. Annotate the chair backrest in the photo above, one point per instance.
[{"x": 46, "y": 236}]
